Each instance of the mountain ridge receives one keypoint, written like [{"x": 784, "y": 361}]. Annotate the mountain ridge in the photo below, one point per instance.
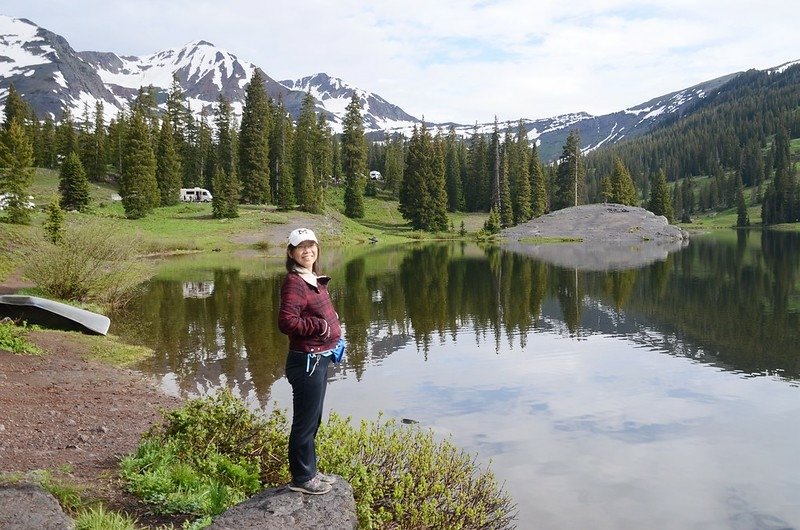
[{"x": 50, "y": 74}]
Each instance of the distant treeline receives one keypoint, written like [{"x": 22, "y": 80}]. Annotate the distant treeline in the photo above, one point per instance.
[{"x": 734, "y": 139}]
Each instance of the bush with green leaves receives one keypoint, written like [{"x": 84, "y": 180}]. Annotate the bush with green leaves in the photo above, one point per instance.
[
  {"x": 403, "y": 478},
  {"x": 13, "y": 338},
  {"x": 89, "y": 264},
  {"x": 214, "y": 452},
  {"x": 209, "y": 455}
]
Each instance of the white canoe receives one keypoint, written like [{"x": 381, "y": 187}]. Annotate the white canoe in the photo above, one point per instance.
[{"x": 51, "y": 314}]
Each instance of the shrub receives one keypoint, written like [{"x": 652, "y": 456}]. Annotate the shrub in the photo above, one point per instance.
[
  {"x": 207, "y": 456},
  {"x": 403, "y": 478},
  {"x": 12, "y": 338},
  {"x": 211, "y": 453},
  {"x": 90, "y": 264}
]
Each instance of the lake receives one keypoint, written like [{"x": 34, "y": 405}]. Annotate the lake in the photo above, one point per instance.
[{"x": 664, "y": 397}]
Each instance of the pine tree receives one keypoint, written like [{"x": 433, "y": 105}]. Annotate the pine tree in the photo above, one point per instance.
[
  {"x": 228, "y": 187},
  {"x": 303, "y": 155},
  {"x": 54, "y": 223},
  {"x": 477, "y": 190},
  {"x": 520, "y": 178},
  {"x": 623, "y": 190},
  {"x": 660, "y": 202},
  {"x": 66, "y": 137},
  {"x": 280, "y": 154},
  {"x": 254, "y": 143},
  {"x": 85, "y": 138},
  {"x": 168, "y": 165},
  {"x": 778, "y": 206},
  {"x": 436, "y": 216},
  {"x": 16, "y": 171},
  {"x": 323, "y": 162},
  {"x": 571, "y": 176},
  {"x": 492, "y": 223},
  {"x": 225, "y": 203},
  {"x": 73, "y": 184},
  {"x": 117, "y": 132},
  {"x": 354, "y": 159},
  {"x": 538, "y": 184},
  {"x": 455, "y": 193},
  {"x": 98, "y": 155},
  {"x": 506, "y": 206},
  {"x": 15, "y": 108},
  {"x": 138, "y": 186},
  {"x": 413, "y": 192},
  {"x": 46, "y": 153},
  {"x": 395, "y": 164},
  {"x": 742, "y": 217},
  {"x": 494, "y": 170}
]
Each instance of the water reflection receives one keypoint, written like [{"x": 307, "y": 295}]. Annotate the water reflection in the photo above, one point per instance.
[
  {"x": 733, "y": 303},
  {"x": 626, "y": 394}
]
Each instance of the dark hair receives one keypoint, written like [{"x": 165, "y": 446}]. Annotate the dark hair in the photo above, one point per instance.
[{"x": 290, "y": 263}]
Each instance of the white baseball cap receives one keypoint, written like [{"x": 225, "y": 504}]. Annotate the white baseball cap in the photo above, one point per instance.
[{"x": 302, "y": 234}]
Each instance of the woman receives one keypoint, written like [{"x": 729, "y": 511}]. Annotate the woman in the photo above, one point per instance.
[{"x": 307, "y": 316}]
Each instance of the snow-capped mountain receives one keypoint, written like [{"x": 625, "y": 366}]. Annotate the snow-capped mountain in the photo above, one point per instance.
[
  {"x": 334, "y": 95},
  {"x": 50, "y": 76}
]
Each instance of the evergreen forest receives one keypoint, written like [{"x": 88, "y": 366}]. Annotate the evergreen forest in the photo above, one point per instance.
[{"x": 734, "y": 149}]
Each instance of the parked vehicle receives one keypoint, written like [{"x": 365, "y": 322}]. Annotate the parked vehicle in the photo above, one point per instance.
[{"x": 195, "y": 195}]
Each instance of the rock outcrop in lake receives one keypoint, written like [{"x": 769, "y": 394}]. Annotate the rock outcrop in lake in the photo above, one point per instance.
[{"x": 597, "y": 237}]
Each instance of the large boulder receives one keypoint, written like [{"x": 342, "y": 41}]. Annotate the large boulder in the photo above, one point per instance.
[
  {"x": 27, "y": 507},
  {"x": 598, "y": 237},
  {"x": 283, "y": 509}
]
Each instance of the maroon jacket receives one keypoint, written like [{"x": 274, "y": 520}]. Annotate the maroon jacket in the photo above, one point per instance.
[{"x": 307, "y": 315}]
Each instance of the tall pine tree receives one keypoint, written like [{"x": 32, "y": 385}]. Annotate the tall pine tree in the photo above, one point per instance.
[
  {"x": 571, "y": 176},
  {"x": 254, "y": 143},
  {"x": 520, "y": 178},
  {"x": 168, "y": 165},
  {"x": 73, "y": 184},
  {"x": 16, "y": 171},
  {"x": 138, "y": 187},
  {"x": 354, "y": 159},
  {"x": 660, "y": 201}
]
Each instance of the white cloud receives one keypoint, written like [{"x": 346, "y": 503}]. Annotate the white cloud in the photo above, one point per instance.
[{"x": 455, "y": 60}]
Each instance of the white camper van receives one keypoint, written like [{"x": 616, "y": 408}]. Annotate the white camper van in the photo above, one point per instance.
[{"x": 195, "y": 195}]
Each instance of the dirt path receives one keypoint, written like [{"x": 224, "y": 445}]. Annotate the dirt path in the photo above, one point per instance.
[{"x": 61, "y": 412}]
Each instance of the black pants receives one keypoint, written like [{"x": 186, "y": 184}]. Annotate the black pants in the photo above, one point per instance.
[{"x": 308, "y": 395}]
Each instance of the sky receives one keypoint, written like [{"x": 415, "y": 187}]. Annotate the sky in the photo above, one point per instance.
[{"x": 456, "y": 60}]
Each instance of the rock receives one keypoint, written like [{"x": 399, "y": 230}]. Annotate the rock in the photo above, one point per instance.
[
  {"x": 283, "y": 509},
  {"x": 28, "y": 506},
  {"x": 600, "y": 237}
]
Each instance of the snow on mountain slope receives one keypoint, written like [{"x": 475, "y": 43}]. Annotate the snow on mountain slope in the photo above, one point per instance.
[
  {"x": 51, "y": 76},
  {"x": 333, "y": 95}
]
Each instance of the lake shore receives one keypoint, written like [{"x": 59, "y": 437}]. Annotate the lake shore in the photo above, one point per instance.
[{"x": 75, "y": 417}]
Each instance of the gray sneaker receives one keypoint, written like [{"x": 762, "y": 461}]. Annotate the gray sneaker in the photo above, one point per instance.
[
  {"x": 312, "y": 487},
  {"x": 326, "y": 479}
]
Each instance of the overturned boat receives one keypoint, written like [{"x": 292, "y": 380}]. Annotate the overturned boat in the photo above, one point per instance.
[{"x": 50, "y": 314}]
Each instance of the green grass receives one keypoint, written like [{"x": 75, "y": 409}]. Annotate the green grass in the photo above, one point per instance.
[
  {"x": 14, "y": 339},
  {"x": 724, "y": 219},
  {"x": 110, "y": 350}
]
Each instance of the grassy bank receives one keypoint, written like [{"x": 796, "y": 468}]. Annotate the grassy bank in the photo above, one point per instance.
[{"x": 190, "y": 227}]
